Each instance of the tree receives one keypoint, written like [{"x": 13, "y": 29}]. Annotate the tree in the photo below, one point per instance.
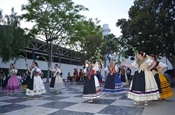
[
  {"x": 150, "y": 27},
  {"x": 110, "y": 45},
  {"x": 86, "y": 37},
  {"x": 52, "y": 19},
  {"x": 12, "y": 37}
]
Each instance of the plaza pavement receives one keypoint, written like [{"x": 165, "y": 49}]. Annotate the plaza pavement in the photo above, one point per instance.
[{"x": 70, "y": 102}]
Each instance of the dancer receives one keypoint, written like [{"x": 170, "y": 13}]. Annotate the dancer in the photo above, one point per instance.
[
  {"x": 143, "y": 85},
  {"x": 89, "y": 90},
  {"x": 56, "y": 83},
  {"x": 12, "y": 83},
  {"x": 99, "y": 76},
  {"x": 162, "y": 83},
  {"x": 35, "y": 86},
  {"x": 123, "y": 76},
  {"x": 113, "y": 82}
]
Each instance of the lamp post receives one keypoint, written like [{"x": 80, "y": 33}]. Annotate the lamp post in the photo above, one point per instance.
[
  {"x": 50, "y": 54},
  {"x": 33, "y": 54}
]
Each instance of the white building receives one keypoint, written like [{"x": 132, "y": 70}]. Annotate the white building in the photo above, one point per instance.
[{"x": 67, "y": 59}]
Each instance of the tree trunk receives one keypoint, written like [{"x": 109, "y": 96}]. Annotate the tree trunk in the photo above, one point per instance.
[
  {"x": 48, "y": 74},
  {"x": 49, "y": 62}
]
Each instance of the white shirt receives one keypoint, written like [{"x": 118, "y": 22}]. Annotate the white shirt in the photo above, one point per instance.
[
  {"x": 58, "y": 70},
  {"x": 107, "y": 69},
  {"x": 35, "y": 69},
  {"x": 94, "y": 68},
  {"x": 162, "y": 64},
  {"x": 148, "y": 61}
]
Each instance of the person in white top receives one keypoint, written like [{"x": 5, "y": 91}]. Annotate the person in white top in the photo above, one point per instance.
[
  {"x": 36, "y": 86},
  {"x": 162, "y": 83},
  {"x": 143, "y": 85},
  {"x": 91, "y": 82},
  {"x": 112, "y": 84},
  {"x": 56, "y": 83},
  {"x": 12, "y": 83}
]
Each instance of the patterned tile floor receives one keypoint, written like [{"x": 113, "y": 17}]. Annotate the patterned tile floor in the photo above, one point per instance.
[{"x": 70, "y": 102}]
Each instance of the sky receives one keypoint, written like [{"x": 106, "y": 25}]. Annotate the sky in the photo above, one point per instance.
[{"x": 107, "y": 11}]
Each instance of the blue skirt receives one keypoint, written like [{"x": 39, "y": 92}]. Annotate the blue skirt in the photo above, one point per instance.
[
  {"x": 118, "y": 84},
  {"x": 113, "y": 83}
]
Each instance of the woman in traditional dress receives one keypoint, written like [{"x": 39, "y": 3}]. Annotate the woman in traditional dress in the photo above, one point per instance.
[
  {"x": 90, "y": 90},
  {"x": 13, "y": 83},
  {"x": 28, "y": 79},
  {"x": 36, "y": 86},
  {"x": 118, "y": 83},
  {"x": 143, "y": 85},
  {"x": 56, "y": 83},
  {"x": 163, "y": 85},
  {"x": 123, "y": 76},
  {"x": 99, "y": 76},
  {"x": 112, "y": 83}
]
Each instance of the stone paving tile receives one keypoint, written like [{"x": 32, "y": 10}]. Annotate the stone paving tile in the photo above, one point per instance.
[
  {"x": 63, "y": 112},
  {"x": 36, "y": 110},
  {"x": 86, "y": 107},
  {"x": 74, "y": 99},
  {"x": 124, "y": 98},
  {"x": 122, "y": 110},
  {"x": 16, "y": 100},
  {"x": 123, "y": 103},
  {"x": 101, "y": 101},
  {"x": 58, "y": 104},
  {"x": 35, "y": 102},
  {"x": 70, "y": 102},
  {"x": 54, "y": 98},
  {"x": 11, "y": 107}
]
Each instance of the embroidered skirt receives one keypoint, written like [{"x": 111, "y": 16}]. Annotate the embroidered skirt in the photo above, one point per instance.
[
  {"x": 143, "y": 87},
  {"x": 90, "y": 89}
]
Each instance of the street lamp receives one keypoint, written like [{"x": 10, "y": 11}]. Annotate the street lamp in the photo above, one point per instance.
[{"x": 50, "y": 53}]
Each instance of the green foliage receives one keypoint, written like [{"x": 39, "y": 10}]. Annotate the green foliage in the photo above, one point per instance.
[
  {"x": 12, "y": 37},
  {"x": 52, "y": 18},
  {"x": 84, "y": 29},
  {"x": 62, "y": 19},
  {"x": 150, "y": 27},
  {"x": 111, "y": 45},
  {"x": 86, "y": 36}
]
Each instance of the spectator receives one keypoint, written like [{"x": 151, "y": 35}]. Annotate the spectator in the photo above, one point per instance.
[
  {"x": 81, "y": 75},
  {"x": 128, "y": 73},
  {"x": 169, "y": 74},
  {"x": 69, "y": 78},
  {"x": 75, "y": 74}
]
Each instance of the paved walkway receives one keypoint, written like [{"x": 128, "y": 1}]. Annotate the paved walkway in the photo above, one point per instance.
[{"x": 70, "y": 102}]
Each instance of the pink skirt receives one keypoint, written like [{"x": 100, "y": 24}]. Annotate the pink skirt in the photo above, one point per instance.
[{"x": 12, "y": 85}]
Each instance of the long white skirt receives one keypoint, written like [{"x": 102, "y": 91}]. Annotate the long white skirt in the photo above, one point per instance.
[
  {"x": 151, "y": 89},
  {"x": 59, "y": 84},
  {"x": 97, "y": 84},
  {"x": 38, "y": 87}
]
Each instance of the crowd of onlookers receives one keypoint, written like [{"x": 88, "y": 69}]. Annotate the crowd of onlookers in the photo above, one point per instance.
[
  {"x": 77, "y": 76},
  {"x": 80, "y": 76}
]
